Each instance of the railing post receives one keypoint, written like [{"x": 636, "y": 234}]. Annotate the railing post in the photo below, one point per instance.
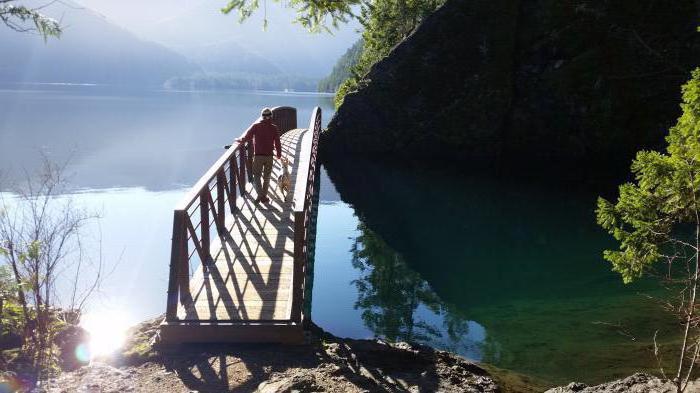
[
  {"x": 299, "y": 260},
  {"x": 184, "y": 276},
  {"x": 220, "y": 198},
  {"x": 242, "y": 164},
  {"x": 249, "y": 161},
  {"x": 204, "y": 222},
  {"x": 175, "y": 267},
  {"x": 232, "y": 183}
]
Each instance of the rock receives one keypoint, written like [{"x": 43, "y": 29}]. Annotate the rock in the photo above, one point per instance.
[
  {"x": 326, "y": 364},
  {"x": 522, "y": 82},
  {"x": 68, "y": 340},
  {"x": 636, "y": 383},
  {"x": 10, "y": 340}
]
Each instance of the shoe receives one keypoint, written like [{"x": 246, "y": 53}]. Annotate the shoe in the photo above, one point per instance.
[{"x": 265, "y": 200}]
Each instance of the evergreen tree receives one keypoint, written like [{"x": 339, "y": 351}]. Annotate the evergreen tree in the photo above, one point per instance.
[
  {"x": 656, "y": 218},
  {"x": 341, "y": 70}
]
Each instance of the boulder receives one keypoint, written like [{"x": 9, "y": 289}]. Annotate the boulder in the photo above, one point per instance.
[{"x": 529, "y": 81}]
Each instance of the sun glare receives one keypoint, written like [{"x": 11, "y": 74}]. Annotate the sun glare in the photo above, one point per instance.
[{"x": 107, "y": 333}]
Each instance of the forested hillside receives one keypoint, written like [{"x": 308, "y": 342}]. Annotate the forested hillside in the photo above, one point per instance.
[{"x": 342, "y": 69}]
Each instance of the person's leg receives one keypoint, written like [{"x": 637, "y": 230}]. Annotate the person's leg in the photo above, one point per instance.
[
  {"x": 258, "y": 162},
  {"x": 267, "y": 171}
]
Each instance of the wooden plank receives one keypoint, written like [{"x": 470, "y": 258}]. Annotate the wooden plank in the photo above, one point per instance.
[
  {"x": 233, "y": 313},
  {"x": 237, "y": 296},
  {"x": 214, "y": 307},
  {"x": 270, "y": 245},
  {"x": 267, "y": 281}
]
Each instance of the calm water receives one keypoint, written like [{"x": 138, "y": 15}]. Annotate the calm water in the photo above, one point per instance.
[{"x": 501, "y": 272}]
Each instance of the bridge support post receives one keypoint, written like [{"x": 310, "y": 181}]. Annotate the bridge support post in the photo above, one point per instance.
[{"x": 178, "y": 280}]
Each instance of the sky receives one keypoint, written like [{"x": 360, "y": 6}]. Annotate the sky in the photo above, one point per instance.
[
  {"x": 136, "y": 15},
  {"x": 188, "y": 25}
]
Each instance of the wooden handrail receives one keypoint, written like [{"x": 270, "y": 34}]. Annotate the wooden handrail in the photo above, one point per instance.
[
  {"x": 302, "y": 205},
  {"x": 302, "y": 185},
  {"x": 211, "y": 195}
]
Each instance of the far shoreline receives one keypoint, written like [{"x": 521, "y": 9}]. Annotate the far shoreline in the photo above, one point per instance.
[{"x": 36, "y": 86}]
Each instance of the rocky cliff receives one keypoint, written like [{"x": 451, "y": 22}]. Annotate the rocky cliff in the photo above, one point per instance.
[{"x": 538, "y": 80}]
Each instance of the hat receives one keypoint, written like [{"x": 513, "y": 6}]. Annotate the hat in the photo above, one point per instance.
[{"x": 266, "y": 112}]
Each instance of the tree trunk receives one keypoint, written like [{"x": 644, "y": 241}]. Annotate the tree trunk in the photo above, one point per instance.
[{"x": 18, "y": 281}]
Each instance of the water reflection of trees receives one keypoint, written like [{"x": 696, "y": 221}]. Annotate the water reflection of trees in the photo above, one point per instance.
[{"x": 398, "y": 305}]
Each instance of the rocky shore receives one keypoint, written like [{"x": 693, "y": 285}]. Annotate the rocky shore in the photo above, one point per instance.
[
  {"x": 325, "y": 363},
  {"x": 636, "y": 383}
]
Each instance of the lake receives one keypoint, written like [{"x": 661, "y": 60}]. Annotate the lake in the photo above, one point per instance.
[{"x": 500, "y": 271}]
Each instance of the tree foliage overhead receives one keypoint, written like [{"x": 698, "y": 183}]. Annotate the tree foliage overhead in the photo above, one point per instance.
[
  {"x": 314, "y": 15},
  {"x": 26, "y": 19}
]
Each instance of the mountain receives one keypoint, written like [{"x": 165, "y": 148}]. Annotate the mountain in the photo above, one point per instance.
[
  {"x": 227, "y": 56},
  {"x": 202, "y": 28},
  {"x": 90, "y": 50}
]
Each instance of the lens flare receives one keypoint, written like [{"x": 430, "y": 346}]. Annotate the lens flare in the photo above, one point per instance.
[
  {"x": 82, "y": 353},
  {"x": 107, "y": 333},
  {"x": 11, "y": 383}
]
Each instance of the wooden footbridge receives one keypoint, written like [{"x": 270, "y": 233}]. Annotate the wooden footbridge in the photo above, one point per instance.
[{"x": 240, "y": 271}]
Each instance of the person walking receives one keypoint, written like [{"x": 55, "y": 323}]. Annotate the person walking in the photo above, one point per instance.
[{"x": 265, "y": 135}]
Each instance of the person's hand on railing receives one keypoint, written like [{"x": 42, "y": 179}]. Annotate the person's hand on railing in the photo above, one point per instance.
[{"x": 238, "y": 141}]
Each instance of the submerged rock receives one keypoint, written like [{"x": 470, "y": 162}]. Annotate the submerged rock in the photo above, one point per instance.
[{"x": 525, "y": 81}]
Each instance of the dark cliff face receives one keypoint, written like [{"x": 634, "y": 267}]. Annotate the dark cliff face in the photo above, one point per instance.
[{"x": 542, "y": 80}]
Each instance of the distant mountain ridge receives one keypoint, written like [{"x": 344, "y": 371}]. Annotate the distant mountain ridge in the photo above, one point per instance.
[
  {"x": 90, "y": 50},
  {"x": 191, "y": 47},
  {"x": 228, "y": 56},
  {"x": 283, "y": 45}
]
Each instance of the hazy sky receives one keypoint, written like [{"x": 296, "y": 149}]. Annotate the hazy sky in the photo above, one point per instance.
[
  {"x": 185, "y": 25},
  {"x": 138, "y": 14}
]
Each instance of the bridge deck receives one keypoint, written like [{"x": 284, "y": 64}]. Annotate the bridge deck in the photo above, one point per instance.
[
  {"x": 239, "y": 271},
  {"x": 250, "y": 278}
]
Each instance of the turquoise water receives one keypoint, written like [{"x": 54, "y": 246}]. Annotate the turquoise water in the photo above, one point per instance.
[{"x": 500, "y": 271}]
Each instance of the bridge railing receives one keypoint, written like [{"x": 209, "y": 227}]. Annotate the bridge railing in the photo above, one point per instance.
[
  {"x": 201, "y": 215},
  {"x": 304, "y": 230}
]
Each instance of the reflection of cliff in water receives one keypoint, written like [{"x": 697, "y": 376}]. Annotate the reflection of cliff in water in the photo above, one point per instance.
[
  {"x": 522, "y": 260},
  {"x": 398, "y": 305},
  {"x": 479, "y": 241}
]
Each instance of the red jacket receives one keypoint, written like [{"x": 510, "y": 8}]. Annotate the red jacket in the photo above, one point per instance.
[{"x": 263, "y": 134}]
